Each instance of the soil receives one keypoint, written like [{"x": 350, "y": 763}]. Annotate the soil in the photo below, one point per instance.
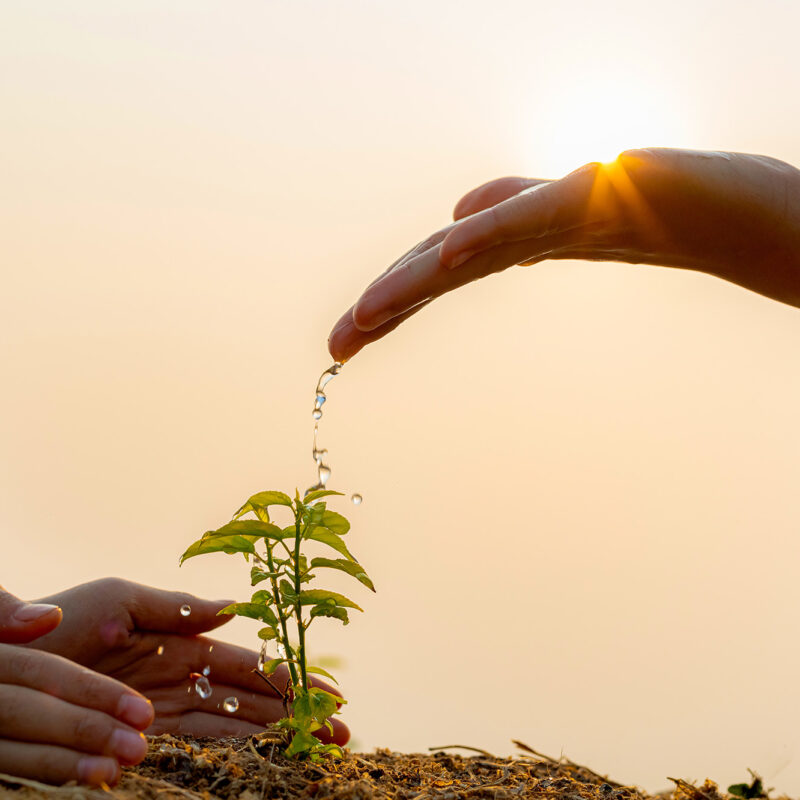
[{"x": 252, "y": 768}]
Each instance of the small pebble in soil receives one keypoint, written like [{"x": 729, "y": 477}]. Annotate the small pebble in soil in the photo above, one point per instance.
[{"x": 186, "y": 609}]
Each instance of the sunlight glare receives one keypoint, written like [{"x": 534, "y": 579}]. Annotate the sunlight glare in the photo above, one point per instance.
[{"x": 596, "y": 118}]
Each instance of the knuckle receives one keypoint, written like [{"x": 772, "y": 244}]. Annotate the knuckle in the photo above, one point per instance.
[
  {"x": 27, "y": 664},
  {"x": 91, "y": 730}
]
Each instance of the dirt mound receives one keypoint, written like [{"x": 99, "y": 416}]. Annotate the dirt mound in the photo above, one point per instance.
[{"x": 252, "y": 768}]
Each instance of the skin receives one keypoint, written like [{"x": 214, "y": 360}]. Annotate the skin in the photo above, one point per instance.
[
  {"x": 732, "y": 215},
  {"x": 74, "y": 700}
]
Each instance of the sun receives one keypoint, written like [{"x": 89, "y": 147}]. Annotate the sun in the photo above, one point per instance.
[{"x": 596, "y": 117}]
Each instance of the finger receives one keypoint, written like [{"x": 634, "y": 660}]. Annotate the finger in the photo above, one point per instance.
[
  {"x": 491, "y": 193},
  {"x": 544, "y": 209},
  {"x": 67, "y": 681},
  {"x": 24, "y": 622},
  {"x": 174, "y": 612},
  {"x": 172, "y": 701},
  {"x": 32, "y": 716},
  {"x": 203, "y": 723},
  {"x": 56, "y": 765},
  {"x": 346, "y": 340}
]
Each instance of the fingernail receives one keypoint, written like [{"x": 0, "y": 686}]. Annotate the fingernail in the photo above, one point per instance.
[
  {"x": 135, "y": 710},
  {"x": 460, "y": 259},
  {"x": 33, "y": 611},
  {"x": 128, "y": 746},
  {"x": 95, "y": 770}
]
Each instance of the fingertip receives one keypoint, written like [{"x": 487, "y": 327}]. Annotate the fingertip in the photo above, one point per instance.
[{"x": 98, "y": 770}]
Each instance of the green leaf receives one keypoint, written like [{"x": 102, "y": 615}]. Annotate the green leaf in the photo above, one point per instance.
[
  {"x": 315, "y": 495},
  {"x": 262, "y": 596},
  {"x": 332, "y": 540},
  {"x": 335, "y": 522},
  {"x": 257, "y": 575},
  {"x": 224, "y": 544},
  {"x": 288, "y": 594},
  {"x": 350, "y": 567},
  {"x": 271, "y": 665},
  {"x": 327, "y": 610},
  {"x": 315, "y": 705},
  {"x": 248, "y": 527},
  {"x": 302, "y": 742},
  {"x": 262, "y": 500},
  {"x": 268, "y": 633},
  {"x": 310, "y": 597},
  {"x": 253, "y": 611},
  {"x": 320, "y": 671}
]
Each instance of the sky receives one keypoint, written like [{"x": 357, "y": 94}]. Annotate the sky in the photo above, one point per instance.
[{"x": 579, "y": 479}]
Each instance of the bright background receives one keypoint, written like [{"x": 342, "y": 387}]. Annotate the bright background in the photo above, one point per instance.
[{"x": 580, "y": 480}]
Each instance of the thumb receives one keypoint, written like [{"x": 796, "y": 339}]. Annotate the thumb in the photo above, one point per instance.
[
  {"x": 174, "y": 612},
  {"x": 23, "y": 622}
]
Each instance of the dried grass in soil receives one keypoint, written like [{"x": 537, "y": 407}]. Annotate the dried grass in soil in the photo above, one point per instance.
[{"x": 253, "y": 769}]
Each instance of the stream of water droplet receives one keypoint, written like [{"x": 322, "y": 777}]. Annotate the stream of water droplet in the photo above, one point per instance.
[{"x": 319, "y": 453}]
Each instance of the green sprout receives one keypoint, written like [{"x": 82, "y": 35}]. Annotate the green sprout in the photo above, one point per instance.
[
  {"x": 276, "y": 558},
  {"x": 751, "y": 790}
]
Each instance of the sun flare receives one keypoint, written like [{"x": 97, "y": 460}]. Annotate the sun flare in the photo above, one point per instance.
[{"x": 595, "y": 118}]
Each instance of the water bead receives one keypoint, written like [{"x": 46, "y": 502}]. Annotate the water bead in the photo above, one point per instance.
[
  {"x": 203, "y": 687},
  {"x": 186, "y": 609},
  {"x": 231, "y": 704},
  {"x": 207, "y": 670},
  {"x": 160, "y": 651},
  {"x": 317, "y": 413},
  {"x": 356, "y": 499},
  {"x": 324, "y": 473}
]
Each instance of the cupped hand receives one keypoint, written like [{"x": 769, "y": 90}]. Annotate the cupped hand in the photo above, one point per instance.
[
  {"x": 60, "y": 721},
  {"x": 139, "y": 636},
  {"x": 732, "y": 215}
]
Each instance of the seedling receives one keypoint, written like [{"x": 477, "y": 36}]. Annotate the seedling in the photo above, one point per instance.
[{"x": 276, "y": 558}]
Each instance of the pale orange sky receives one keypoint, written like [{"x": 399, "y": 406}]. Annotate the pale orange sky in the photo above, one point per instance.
[{"x": 580, "y": 480}]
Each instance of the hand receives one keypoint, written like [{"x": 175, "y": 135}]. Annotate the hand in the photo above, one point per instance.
[
  {"x": 732, "y": 215},
  {"x": 59, "y": 721},
  {"x": 119, "y": 628}
]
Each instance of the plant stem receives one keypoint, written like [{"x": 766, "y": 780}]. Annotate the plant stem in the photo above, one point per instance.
[
  {"x": 301, "y": 631},
  {"x": 281, "y": 615}
]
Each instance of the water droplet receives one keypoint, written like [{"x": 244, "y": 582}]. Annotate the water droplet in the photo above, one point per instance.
[
  {"x": 211, "y": 648},
  {"x": 231, "y": 704},
  {"x": 160, "y": 651},
  {"x": 324, "y": 473},
  {"x": 320, "y": 400},
  {"x": 262, "y": 657},
  {"x": 280, "y": 649},
  {"x": 203, "y": 687},
  {"x": 186, "y": 609},
  {"x": 207, "y": 670},
  {"x": 316, "y": 413},
  {"x": 318, "y": 454},
  {"x": 356, "y": 499}
]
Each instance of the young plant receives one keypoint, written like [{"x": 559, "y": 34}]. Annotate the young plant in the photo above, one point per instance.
[{"x": 277, "y": 560}]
